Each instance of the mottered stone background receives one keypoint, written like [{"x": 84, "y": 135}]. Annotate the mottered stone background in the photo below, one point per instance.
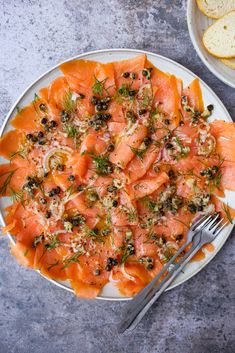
[{"x": 36, "y": 316}]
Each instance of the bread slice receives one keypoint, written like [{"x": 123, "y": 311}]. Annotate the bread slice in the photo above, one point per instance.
[
  {"x": 229, "y": 62},
  {"x": 216, "y": 8},
  {"x": 219, "y": 38}
]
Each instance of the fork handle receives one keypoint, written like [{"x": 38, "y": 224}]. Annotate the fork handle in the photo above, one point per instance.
[{"x": 134, "y": 318}]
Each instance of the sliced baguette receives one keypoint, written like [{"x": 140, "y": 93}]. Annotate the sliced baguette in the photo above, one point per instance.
[
  {"x": 219, "y": 38},
  {"x": 229, "y": 62},
  {"x": 216, "y": 8}
]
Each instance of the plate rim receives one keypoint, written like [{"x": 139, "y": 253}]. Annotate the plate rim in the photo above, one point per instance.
[
  {"x": 190, "y": 5},
  {"x": 94, "y": 52}
]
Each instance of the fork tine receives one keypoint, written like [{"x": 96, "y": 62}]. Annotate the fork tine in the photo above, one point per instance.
[
  {"x": 201, "y": 222},
  {"x": 212, "y": 222},
  {"x": 220, "y": 229},
  {"x": 216, "y": 225}
]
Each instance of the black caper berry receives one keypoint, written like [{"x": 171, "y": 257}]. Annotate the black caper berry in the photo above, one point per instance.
[
  {"x": 40, "y": 134},
  {"x": 110, "y": 147},
  {"x": 111, "y": 188},
  {"x": 71, "y": 177},
  {"x": 51, "y": 193},
  {"x": 60, "y": 167},
  {"x": 142, "y": 111},
  {"x": 42, "y": 142},
  {"x": 34, "y": 139},
  {"x": 52, "y": 123},
  {"x": 42, "y": 107},
  {"x": 57, "y": 190},
  {"x": 97, "y": 272},
  {"x": 144, "y": 72},
  {"x": 64, "y": 116},
  {"x": 115, "y": 203},
  {"x": 181, "y": 122},
  {"x": 48, "y": 214},
  {"x": 99, "y": 107},
  {"x": 43, "y": 121},
  {"x": 29, "y": 137},
  {"x": 179, "y": 237},
  {"x": 171, "y": 173},
  {"x": 46, "y": 174},
  {"x": 167, "y": 121},
  {"x": 108, "y": 267},
  {"x": 79, "y": 188},
  {"x": 132, "y": 93},
  {"x": 210, "y": 107},
  {"x": 169, "y": 145},
  {"x": 133, "y": 76},
  {"x": 149, "y": 267},
  {"x": 42, "y": 200},
  {"x": 147, "y": 141},
  {"x": 104, "y": 106},
  {"x": 200, "y": 208},
  {"x": 126, "y": 74},
  {"x": 215, "y": 168},
  {"x": 81, "y": 96},
  {"x": 94, "y": 100},
  {"x": 192, "y": 207},
  {"x": 106, "y": 117}
]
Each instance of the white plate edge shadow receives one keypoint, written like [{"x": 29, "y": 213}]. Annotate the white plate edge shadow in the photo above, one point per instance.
[
  {"x": 224, "y": 235},
  {"x": 198, "y": 46}
]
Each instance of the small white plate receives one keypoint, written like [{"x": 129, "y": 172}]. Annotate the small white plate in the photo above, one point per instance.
[
  {"x": 197, "y": 24},
  {"x": 110, "y": 292}
]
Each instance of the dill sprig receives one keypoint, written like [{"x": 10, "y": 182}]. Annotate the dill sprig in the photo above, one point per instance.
[
  {"x": 72, "y": 259},
  {"x": 73, "y": 133},
  {"x": 17, "y": 196},
  {"x": 68, "y": 103},
  {"x": 3, "y": 187},
  {"x": 227, "y": 212},
  {"x": 139, "y": 152},
  {"x": 132, "y": 214},
  {"x": 53, "y": 265},
  {"x": 98, "y": 86},
  {"x": 103, "y": 166},
  {"x": 54, "y": 242},
  {"x": 21, "y": 153}
]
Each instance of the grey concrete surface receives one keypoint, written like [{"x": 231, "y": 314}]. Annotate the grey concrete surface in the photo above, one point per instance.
[{"x": 36, "y": 316}]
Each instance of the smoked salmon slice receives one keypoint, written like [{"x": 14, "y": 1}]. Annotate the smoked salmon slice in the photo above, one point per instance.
[{"x": 107, "y": 168}]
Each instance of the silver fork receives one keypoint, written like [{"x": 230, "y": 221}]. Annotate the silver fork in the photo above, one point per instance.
[
  {"x": 210, "y": 227},
  {"x": 194, "y": 229}
]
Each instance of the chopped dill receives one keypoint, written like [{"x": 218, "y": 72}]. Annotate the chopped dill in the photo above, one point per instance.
[
  {"x": 17, "y": 196},
  {"x": 98, "y": 86},
  {"x": 69, "y": 104},
  {"x": 73, "y": 133},
  {"x": 102, "y": 164},
  {"x": 21, "y": 153},
  {"x": 139, "y": 152},
  {"x": 72, "y": 259},
  {"x": 3, "y": 187},
  {"x": 36, "y": 97},
  {"x": 227, "y": 212},
  {"x": 53, "y": 243},
  {"x": 53, "y": 265},
  {"x": 132, "y": 215}
]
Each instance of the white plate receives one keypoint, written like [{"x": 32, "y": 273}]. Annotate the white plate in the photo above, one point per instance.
[
  {"x": 109, "y": 292},
  {"x": 197, "y": 24}
]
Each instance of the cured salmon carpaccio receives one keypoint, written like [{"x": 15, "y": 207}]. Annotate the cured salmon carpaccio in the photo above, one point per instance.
[{"x": 107, "y": 168}]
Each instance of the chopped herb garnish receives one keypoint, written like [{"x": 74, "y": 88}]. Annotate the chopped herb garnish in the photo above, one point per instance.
[
  {"x": 69, "y": 104},
  {"x": 139, "y": 152},
  {"x": 17, "y": 196},
  {"x": 98, "y": 87},
  {"x": 53, "y": 243},
  {"x": 102, "y": 164},
  {"x": 3, "y": 187},
  {"x": 72, "y": 259},
  {"x": 53, "y": 265},
  {"x": 227, "y": 212}
]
